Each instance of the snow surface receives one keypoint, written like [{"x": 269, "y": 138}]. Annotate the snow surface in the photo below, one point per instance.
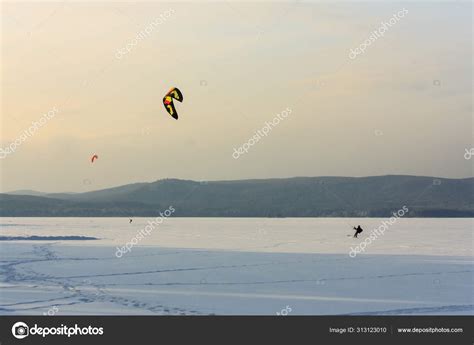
[{"x": 197, "y": 266}]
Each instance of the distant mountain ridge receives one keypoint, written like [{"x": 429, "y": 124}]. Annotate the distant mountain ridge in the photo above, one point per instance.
[
  {"x": 374, "y": 196},
  {"x": 27, "y": 192}
]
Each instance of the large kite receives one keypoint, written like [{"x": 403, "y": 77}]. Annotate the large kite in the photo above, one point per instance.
[{"x": 174, "y": 93}]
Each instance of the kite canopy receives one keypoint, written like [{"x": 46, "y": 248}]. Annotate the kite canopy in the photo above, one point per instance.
[
  {"x": 174, "y": 93},
  {"x": 94, "y": 157}
]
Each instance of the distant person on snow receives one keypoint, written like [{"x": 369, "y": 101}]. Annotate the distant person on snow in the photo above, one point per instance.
[
  {"x": 131, "y": 220},
  {"x": 358, "y": 231}
]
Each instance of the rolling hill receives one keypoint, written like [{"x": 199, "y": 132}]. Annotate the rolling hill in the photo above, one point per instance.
[{"x": 375, "y": 196}]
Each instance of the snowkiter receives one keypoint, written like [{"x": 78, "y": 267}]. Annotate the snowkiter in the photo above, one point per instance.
[{"x": 358, "y": 231}]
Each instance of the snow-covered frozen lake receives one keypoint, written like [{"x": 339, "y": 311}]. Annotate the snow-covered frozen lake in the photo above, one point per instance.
[{"x": 235, "y": 266}]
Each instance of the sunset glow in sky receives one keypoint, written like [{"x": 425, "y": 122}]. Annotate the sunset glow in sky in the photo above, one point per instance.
[{"x": 404, "y": 106}]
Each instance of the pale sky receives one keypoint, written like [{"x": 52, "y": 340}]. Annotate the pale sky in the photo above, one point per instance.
[{"x": 404, "y": 106}]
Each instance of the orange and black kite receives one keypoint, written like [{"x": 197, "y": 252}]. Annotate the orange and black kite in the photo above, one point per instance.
[{"x": 174, "y": 93}]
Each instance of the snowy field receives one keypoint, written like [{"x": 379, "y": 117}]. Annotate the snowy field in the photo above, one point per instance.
[{"x": 201, "y": 266}]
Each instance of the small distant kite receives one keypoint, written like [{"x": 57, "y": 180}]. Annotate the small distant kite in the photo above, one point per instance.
[
  {"x": 94, "y": 157},
  {"x": 174, "y": 93}
]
